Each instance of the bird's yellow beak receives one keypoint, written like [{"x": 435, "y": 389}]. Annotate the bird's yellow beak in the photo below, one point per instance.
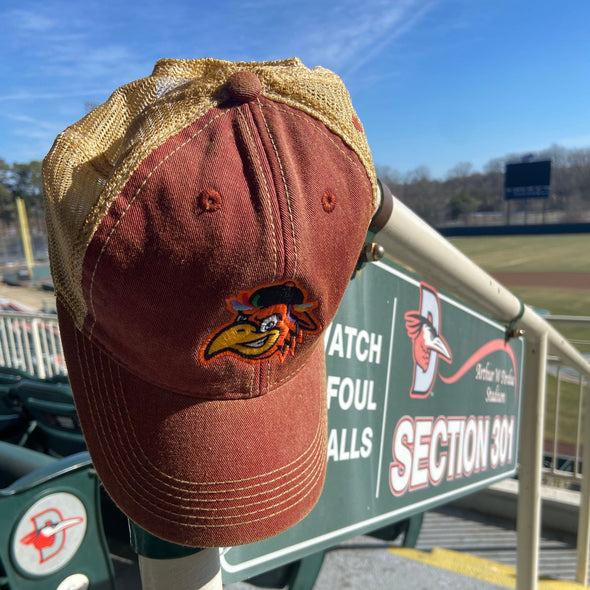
[{"x": 243, "y": 339}]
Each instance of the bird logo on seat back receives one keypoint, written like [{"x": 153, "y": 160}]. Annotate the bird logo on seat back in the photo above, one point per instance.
[{"x": 48, "y": 534}]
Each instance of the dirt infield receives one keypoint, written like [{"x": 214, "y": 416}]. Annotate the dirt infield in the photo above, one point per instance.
[{"x": 576, "y": 281}]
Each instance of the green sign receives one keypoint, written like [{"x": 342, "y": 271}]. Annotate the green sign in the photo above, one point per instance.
[{"x": 423, "y": 407}]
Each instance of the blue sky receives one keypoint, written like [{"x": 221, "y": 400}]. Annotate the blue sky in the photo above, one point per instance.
[{"x": 435, "y": 82}]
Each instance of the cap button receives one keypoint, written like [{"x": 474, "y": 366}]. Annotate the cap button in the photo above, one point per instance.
[{"x": 244, "y": 86}]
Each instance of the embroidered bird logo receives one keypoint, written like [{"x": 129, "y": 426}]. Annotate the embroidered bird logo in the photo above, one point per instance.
[
  {"x": 425, "y": 340},
  {"x": 268, "y": 321},
  {"x": 49, "y": 533}
]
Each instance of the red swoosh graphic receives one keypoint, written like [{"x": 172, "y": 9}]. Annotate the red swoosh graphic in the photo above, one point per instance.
[{"x": 492, "y": 346}]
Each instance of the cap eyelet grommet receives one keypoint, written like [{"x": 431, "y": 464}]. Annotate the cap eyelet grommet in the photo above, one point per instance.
[
  {"x": 328, "y": 201},
  {"x": 209, "y": 200}
]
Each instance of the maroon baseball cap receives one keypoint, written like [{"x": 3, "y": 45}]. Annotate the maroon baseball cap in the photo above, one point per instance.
[{"x": 204, "y": 224}]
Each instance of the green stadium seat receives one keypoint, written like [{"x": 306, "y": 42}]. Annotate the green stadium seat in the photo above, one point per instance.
[
  {"x": 12, "y": 375},
  {"x": 49, "y": 405},
  {"x": 13, "y": 421}
]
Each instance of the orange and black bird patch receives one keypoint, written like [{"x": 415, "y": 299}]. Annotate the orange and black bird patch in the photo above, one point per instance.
[{"x": 268, "y": 321}]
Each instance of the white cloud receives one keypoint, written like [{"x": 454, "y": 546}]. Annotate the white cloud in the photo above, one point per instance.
[
  {"x": 29, "y": 21},
  {"x": 355, "y": 32},
  {"x": 84, "y": 57},
  {"x": 341, "y": 36},
  {"x": 30, "y": 95}
]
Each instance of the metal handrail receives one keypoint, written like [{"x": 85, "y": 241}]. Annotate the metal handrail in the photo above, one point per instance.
[
  {"x": 409, "y": 240},
  {"x": 415, "y": 244}
]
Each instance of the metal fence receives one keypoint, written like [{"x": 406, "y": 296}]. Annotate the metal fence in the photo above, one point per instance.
[
  {"x": 566, "y": 466},
  {"x": 31, "y": 343},
  {"x": 564, "y": 428}
]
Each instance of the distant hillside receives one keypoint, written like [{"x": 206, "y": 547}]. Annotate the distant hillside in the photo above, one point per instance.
[{"x": 466, "y": 196}]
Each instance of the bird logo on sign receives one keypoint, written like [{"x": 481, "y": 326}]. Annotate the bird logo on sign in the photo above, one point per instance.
[{"x": 428, "y": 345}]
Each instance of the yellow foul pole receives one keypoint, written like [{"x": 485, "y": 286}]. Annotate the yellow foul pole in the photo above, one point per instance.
[{"x": 25, "y": 235}]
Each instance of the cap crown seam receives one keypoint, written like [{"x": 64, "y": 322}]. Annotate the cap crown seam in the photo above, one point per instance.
[
  {"x": 357, "y": 165},
  {"x": 287, "y": 194},
  {"x": 266, "y": 202}
]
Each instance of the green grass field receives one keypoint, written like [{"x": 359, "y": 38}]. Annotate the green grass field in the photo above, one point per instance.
[
  {"x": 557, "y": 301},
  {"x": 550, "y": 254},
  {"x": 559, "y": 253}
]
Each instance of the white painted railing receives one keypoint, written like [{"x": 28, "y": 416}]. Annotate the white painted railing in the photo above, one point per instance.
[
  {"x": 31, "y": 343},
  {"x": 563, "y": 462},
  {"x": 413, "y": 243},
  {"x": 562, "y": 465},
  {"x": 582, "y": 440}
]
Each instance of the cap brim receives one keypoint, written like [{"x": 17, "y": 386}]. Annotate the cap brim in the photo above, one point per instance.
[{"x": 198, "y": 472}]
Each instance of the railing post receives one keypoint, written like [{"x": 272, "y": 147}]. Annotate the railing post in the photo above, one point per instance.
[
  {"x": 4, "y": 350},
  {"x": 531, "y": 457},
  {"x": 199, "y": 571},
  {"x": 583, "y": 542},
  {"x": 39, "y": 368}
]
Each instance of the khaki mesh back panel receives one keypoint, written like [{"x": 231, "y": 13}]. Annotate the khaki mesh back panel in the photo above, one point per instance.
[{"x": 91, "y": 161}]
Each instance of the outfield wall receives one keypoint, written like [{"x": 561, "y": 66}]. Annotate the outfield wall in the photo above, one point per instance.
[{"x": 515, "y": 230}]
